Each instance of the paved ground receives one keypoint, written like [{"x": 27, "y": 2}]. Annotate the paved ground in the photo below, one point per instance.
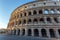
[{"x": 9, "y": 37}]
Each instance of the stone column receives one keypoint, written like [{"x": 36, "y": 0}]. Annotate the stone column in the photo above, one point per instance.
[
  {"x": 49, "y": 11},
  {"x": 26, "y": 20},
  {"x": 32, "y": 12},
  {"x": 56, "y": 32},
  {"x": 52, "y": 19},
  {"x": 16, "y": 31},
  {"x": 48, "y": 33},
  {"x": 26, "y": 32},
  {"x": 37, "y": 11},
  {"x": 43, "y": 11},
  {"x": 32, "y": 32},
  {"x": 20, "y": 32},
  {"x": 10, "y": 32},
  {"x": 55, "y": 11},
  {"x": 58, "y": 18},
  {"x": 45, "y": 19},
  {"x": 40, "y": 32},
  {"x": 32, "y": 20}
]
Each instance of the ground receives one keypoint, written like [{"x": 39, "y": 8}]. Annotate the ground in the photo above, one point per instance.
[{"x": 12, "y": 37}]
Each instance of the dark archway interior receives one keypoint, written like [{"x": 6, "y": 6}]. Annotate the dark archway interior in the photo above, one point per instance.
[
  {"x": 29, "y": 21},
  {"x": 49, "y": 20},
  {"x": 14, "y": 32},
  {"x": 23, "y": 32},
  {"x": 36, "y": 32},
  {"x": 43, "y": 32},
  {"x": 52, "y": 34},
  {"x": 41, "y": 19},
  {"x": 59, "y": 31},
  {"x": 29, "y": 32},
  {"x": 35, "y": 20},
  {"x": 34, "y": 12},
  {"x": 18, "y": 31}
]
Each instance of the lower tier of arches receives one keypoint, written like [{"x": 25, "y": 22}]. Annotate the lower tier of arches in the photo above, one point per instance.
[{"x": 37, "y": 32}]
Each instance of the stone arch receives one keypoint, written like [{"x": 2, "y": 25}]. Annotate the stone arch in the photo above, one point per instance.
[
  {"x": 35, "y": 20},
  {"x": 43, "y": 32},
  {"x": 49, "y": 20},
  {"x": 34, "y": 12},
  {"x": 36, "y": 32},
  {"x": 19, "y": 22},
  {"x": 29, "y": 20},
  {"x": 25, "y": 14},
  {"x": 41, "y": 19},
  {"x": 24, "y": 21},
  {"x": 29, "y": 13},
  {"x": 18, "y": 32},
  {"x": 29, "y": 32},
  {"x": 46, "y": 11},
  {"x": 23, "y": 31},
  {"x": 52, "y": 34},
  {"x": 40, "y": 12}
]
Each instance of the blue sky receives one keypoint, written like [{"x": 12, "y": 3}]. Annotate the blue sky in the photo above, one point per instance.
[{"x": 6, "y": 8}]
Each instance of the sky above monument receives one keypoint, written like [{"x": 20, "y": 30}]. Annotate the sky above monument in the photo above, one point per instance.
[{"x": 6, "y": 8}]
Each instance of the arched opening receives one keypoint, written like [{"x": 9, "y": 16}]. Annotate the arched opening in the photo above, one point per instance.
[
  {"x": 52, "y": 11},
  {"x": 58, "y": 11},
  {"x": 49, "y": 20},
  {"x": 29, "y": 20},
  {"x": 59, "y": 31},
  {"x": 24, "y": 14},
  {"x": 23, "y": 32},
  {"x": 35, "y": 20},
  {"x": 16, "y": 23},
  {"x": 52, "y": 34},
  {"x": 40, "y": 12},
  {"x": 36, "y": 32},
  {"x": 41, "y": 19},
  {"x": 24, "y": 21},
  {"x": 34, "y": 12},
  {"x": 55, "y": 19},
  {"x": 18, "y": 31},
  {"x": 43, "y": 32},
  {"x": 19, "y": 22},
  {"x": 29, "y": 13},
  {"x": 46, "y": 11},
  {"x": 29, "y": 32},
  {"x": 20, "y": 15},
  {"x": 17, "y": 16},
  {"x": 14, "y": 32}
]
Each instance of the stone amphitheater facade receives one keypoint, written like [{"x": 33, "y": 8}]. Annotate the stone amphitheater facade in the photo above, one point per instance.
[{"x": 40, "y": 18}]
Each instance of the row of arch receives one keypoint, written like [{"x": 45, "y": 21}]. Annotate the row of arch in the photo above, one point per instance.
[
  {"x": 35, "y": 20},
  {"x": 36, "y": 32},
  {"x": 41, "y": 11}
]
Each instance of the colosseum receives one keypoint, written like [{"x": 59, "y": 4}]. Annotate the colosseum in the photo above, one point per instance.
[{"x": 39, "y": 18}]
